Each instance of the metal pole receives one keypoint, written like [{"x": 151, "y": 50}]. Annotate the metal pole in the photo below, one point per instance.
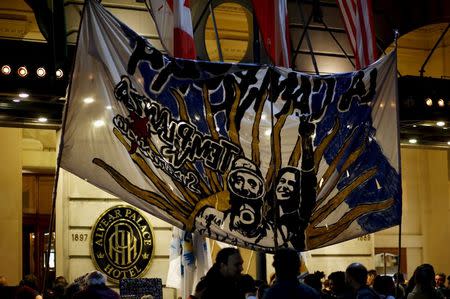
[
  {"x": 338, "y": 43},
  {"x": 422, "y": 69},
  {"x": 308, "y": 40},
  {"x": 219, "y": 48}
]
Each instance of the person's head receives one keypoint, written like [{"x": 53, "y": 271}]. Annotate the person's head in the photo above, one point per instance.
[
  {"x": 286, "y": 262},
  {"x": 3, "y": 281},
  {"x": 399, "y": 277},
  {"x": 356, "y": 276},
  {"x": 371, "y": 274},
  {"x": 440, "y": 280},
  {"x": 59, "y": 285},
  {"x": 229, "y": 262},
  {"x": 384, "y": 285},
  {"x": 424, "y": 277},
  {"x": 247, "y": 284},
  {"x": 288, "y": 183},
  {"x": 313, "y": 280},
  {"x": 30, "y": 280},
  {"x": 337, "y": 282},
  {"x": 95, "y": 278},
  {"x": 71, "y": 290}
]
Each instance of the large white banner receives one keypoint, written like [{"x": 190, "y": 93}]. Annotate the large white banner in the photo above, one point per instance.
[{"x": 250, "y": 155}]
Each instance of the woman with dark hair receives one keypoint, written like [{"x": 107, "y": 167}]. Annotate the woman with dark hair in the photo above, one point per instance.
[
  {"x": 384, "y": 286},
  {"x": 424, "y": 284}
]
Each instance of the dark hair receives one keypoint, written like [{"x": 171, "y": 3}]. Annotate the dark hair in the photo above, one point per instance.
[
  {"x": 30, "y": 280},
  {"x": 399, "y": 277},
  {"x": 424, "y": 276},
  {"x": 338, "y": 278},
  {"x": 286, "y": 262},
  {"x": 358, "y": 272},
  {"x": 247, "y": 284},
  {"x": 313, "y": 280},
  {"x": 224, "y": 254},
  {"x": 384, "y": 285}
]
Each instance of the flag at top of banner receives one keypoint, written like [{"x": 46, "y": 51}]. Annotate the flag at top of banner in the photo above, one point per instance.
[
  {"x": 272, "y": 17},
  {"x": 358, "y": 20},
  {"x": 250, "y": 155},
  {"x": 174, "y": 23}
]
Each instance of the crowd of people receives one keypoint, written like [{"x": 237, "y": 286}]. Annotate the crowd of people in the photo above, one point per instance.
[{"x": 225, "y": 281}]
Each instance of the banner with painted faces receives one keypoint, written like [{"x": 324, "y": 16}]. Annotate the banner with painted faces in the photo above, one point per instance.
[{"x": 256, "y": 156}]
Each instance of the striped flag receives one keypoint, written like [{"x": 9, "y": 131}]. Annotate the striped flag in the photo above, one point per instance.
[
  {"x": 273, "y": 24},
  {"x": 358, "y": 19},
  {"x": 174, "y": 23}
]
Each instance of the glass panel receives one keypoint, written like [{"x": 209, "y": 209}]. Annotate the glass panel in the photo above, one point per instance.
[
  {"x": 52, "y": 251},
  {"x": 233, "y": 22},
  {"x": 386, "y": 263}
]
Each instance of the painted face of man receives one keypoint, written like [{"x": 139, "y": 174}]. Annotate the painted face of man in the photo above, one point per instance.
[
  {"x": 286, "y": 186},
  {"x": 233, "y": 267},
  {"x": 246, "y": 185}
]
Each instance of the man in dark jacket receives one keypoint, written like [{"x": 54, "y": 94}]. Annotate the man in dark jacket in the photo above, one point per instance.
[
  {"x": 222, "y": 280},
  {"x": 286, "y": 262}
]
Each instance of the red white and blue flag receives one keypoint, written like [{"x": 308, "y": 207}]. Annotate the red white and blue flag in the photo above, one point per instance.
[
  {"x": 358, "y": 19},
  {"x": 174, "y": 23},
  {"x": 272, "y": 17}
]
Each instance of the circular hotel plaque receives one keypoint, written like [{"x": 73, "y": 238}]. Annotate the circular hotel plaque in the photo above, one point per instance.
[{"x": 122, "y": 243}]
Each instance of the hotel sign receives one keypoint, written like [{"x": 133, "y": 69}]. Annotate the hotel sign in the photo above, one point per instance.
[{"x": 122, "y": 243}]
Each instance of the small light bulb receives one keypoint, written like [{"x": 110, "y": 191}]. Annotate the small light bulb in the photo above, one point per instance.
[
  {"x": 6, "y": 70},
  {"x": 22, "y": 71},
  {"x": 42, "y": 119},
  {"x": 40, "y": 72},
  {"x": 412, "y": 141},
  {"x": 59, "y": 73},
  {"x": 429, "y": 102},
  {"x": 440, "y": 124},
  {"x": 24, "y": 95}
]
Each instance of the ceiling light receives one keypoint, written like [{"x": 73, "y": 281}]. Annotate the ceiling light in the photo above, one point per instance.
[
  {"x": 448, "y": 142},
  {"x": 22, "y": 71},
  {"x": 88, "y": 100},
  {"x": 6, "y": 70},
  {"x": 441, "y": 103},
  {"x": 429, "y": 101},
  {"x": 440, "y": 124},
  {"x": 59, "y": 73},
  {"x": 412, "y": 141},
  {"x": 41, "y": 72},
  {"x": 24, "y": 95},
  {"x": 414, "y": 126},
  {"x": 99, "y": 123},
  {"x": 16, "y": 100},
  {"x": 42, "y": 119}
]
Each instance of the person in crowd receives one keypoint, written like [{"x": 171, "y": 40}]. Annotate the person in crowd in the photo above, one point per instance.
[
  {"x": 356, "y": 278},
  {"x": 313, "y": 280},
  {"x": 222, "y": 278},
  {"x": 424, "y": 284},
  {"x": 286, "y": 262},
  {"x": 199, "y": 288},
  {"x": 338, "y": 287},
  {"x": 58, "y": 287},
  {"x": 440, "y": 285},
  {"x": 385, "y": 287},
  {"x": 261, "y": 287},
  {"x": 3, "y": 281},
  {"x": 247, "y": 286},
  {"x": 399, "y": 280},
  {"x": 371, "y": 274},
  {"x": 28, "y": 288},
  {"x": 71, "y": 290},
  {"x": 96, "y": 288}
]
